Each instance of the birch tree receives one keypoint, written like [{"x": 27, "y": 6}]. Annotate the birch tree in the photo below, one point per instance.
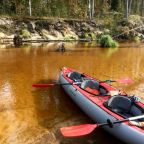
[
  {"x": 30, "y": 11},
  {"x": 126, "y": 8},
  {"x": 91, "y": 9}
]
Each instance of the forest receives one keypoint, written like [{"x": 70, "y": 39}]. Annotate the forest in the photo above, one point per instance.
[
  {"x": 72, "y": 19},
  {"x": 85, "y": 9}
]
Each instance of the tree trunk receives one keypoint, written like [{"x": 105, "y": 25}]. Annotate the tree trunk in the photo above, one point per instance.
[
  {"x": 126, "y": 8},
  {"x": 129, "y": 7},
  {"x": 142, "y": 7},
  {"x": 93, "y": 9},
  {"x": 89, "y": 5},
  {"x": 30, "y": 12}
]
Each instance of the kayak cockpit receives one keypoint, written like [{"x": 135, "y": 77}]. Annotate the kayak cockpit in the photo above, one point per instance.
[
  {"x": 75, "y": 76},
  {"x": 124, "y": 106},
  {"x": 89, "y": 85},
  {"x": 93, "y": 87}
]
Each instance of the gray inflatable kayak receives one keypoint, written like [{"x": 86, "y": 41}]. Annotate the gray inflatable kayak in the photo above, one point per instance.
[{"x": 93, "y": 97}]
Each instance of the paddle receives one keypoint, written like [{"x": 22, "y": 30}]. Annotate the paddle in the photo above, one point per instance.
[
  {"x": 125, "y": 80},
  {"x": 74, "y": 131},
  {"x": 54, "y": 84}
]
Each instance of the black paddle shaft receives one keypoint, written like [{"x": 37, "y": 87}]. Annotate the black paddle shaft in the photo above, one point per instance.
[{"x": 110, "y": 123}]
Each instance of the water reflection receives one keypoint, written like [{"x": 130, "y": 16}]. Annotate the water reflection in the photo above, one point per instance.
[
  {"x": 30, "y": 115},
  {"x": 6, "y": 96}
]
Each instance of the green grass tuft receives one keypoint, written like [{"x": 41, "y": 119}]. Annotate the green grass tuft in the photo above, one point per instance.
[
  {"x": 107, "y": 41},
  {"x": 25, "y": 34}
]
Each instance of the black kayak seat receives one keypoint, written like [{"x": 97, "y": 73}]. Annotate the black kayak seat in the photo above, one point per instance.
[
  {"x": 91, "y": 84},
  {"x": 75, "y": 76},
  {"x": 124, "y": 106},
  {"x": 120, "y": 104}
]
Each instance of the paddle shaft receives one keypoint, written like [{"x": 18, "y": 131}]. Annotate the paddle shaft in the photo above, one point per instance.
[
  {"x": 53, "y": 84},
  {"x": 121, "y": 121},
  {"x": 126, "y": 81},
  {"x": 75, "y": 83}
]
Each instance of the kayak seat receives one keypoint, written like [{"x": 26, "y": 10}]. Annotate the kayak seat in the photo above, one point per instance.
[
  {"x": 75, "y": 76},
  {"x": 120, "y": 104},
  {"x": 124, "y": 106},
  {"x": 136, "y": 111},
  {"x": 90, "y": 86},
  {"x": 90, "y": 83}
]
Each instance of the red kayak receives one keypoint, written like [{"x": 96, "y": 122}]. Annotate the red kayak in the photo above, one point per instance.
[{"x": 102, "y": 102}]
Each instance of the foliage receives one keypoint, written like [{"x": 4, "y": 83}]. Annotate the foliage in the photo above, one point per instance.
[
  {"x": 25, "y": 34},
  {"x": 130, "y": 29},
  {"x": 106, "y": 14},
  {"x": 68, "y": 8},
  {"x": 135, "y": 19},
  {"x": 90, "y": 35},
  {"x": 114, "y": 5},
  {"x": 137, "y": 39},
  {"x": 107, "y": 41}
]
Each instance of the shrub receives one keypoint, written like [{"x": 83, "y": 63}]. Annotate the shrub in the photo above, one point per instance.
[
  {"x": 90, "y": 35},
  {"x": 25, "y": 34},
  {"x": 137, "y": 39},
  {"x": 107, "y": 41}
]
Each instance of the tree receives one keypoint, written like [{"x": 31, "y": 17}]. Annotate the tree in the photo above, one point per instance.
[
  {"x": 129, "y": 7},
  {"x": 30, "y": 11},
  {"x": 91, "y": 9},
  {"x": 142, "y": 7},
  {"x": 126, "y": 8}
]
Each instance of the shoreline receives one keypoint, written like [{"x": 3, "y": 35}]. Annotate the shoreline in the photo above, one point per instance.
[{"x": 36, "y": 30}]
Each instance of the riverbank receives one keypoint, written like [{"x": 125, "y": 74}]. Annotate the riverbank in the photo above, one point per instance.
[{"x": 45, "y": 30}]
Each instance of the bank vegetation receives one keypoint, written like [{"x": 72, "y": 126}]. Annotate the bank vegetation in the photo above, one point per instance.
[{"x": 37, "y": 20}]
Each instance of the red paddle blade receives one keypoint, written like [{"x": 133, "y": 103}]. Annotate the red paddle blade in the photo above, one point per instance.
[
  {"x": 74, "y": 131},
  {"x": 126, "y": 81},
  {"x": 42, "y": 85}
]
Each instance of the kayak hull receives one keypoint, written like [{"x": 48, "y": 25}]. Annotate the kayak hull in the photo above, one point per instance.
[{"x": 122, "y": 131}]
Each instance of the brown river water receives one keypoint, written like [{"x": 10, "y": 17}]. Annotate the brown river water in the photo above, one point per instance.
[{"x": 34, "y": 115}]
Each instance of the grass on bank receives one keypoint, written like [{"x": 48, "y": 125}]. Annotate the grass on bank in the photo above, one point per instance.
[{"x": 107, "y": 41}]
